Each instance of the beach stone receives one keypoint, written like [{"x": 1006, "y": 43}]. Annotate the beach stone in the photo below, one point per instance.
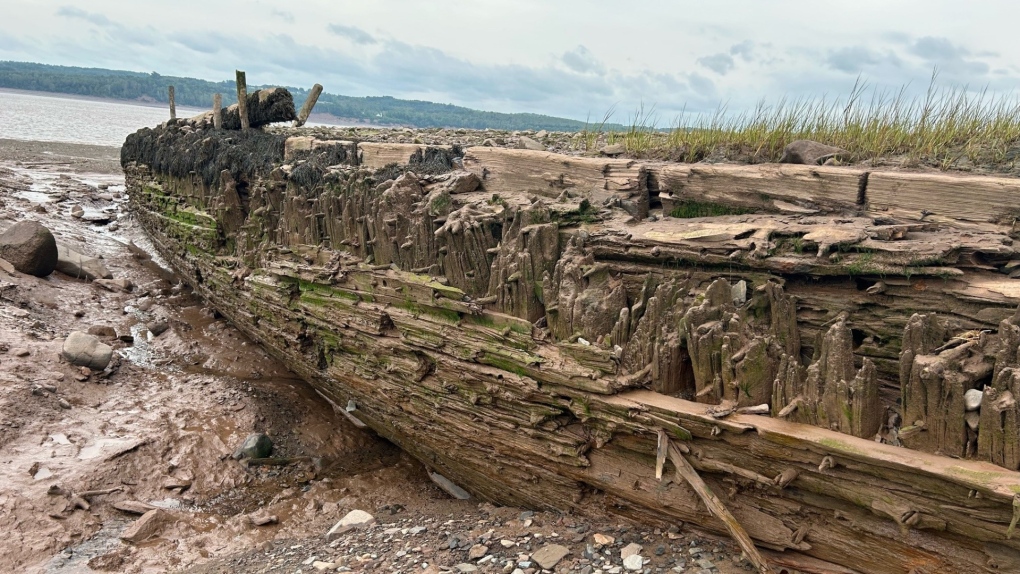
[
  {"x": 30, "y": 248},
  {"x": 630, "y": 550},
  {"x": 74, "y": 264},
  {"x": 809, "y": 152},
  {"x": 102, "y": 331},
  {"x": 527, "y": 143},
  {"x": 614, "y": 149},
  {"x": 352, "y": 520},
  {"x": 157, "y": 327},
  {"x": 604, "y": 539},
  {"x": 84, "y": 350},
  {"x": 550, "y": 555},
  {"x": 145, "y": 527},
  {"x": 256, "y": 445},
  {"x": 972, "y": 399},
  {"x": 133, "y": 506},
  {"x": 633, "y": 562},
  {"x": 973, "y": 419},
  {"x": 477, "y": 551}
]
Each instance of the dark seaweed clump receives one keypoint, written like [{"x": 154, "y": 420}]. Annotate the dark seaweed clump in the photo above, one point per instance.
[
  {"x": 264, "y": 107},
  {"x": 310, "y": 173},
  {"x": 178, "y": 152}
]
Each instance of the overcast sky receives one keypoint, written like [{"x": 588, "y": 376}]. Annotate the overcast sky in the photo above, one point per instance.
[{"x": 570, "y": 58}]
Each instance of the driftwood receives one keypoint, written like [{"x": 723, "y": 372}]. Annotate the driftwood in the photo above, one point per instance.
[
  {"x": 242, "y": 101},
  {"x": 306, "y": 108},
  {"x": 521, "y": 329},
  {"x": 717, "y": 508}
]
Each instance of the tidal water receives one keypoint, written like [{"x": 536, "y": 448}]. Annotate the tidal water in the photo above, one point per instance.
[{"x": 59, "y": 118}]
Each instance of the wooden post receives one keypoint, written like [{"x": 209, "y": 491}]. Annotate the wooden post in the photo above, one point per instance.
[
  {"x": 242, "y": 100},
  {"x": 173, "y": 106},
  {"x": 306, "y": 109},
  {"x": 217, "y": 111},
  {"x": 718, "y": 509}
]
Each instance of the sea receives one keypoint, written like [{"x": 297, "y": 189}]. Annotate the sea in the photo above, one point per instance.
[{"x": 59, "y": 118}]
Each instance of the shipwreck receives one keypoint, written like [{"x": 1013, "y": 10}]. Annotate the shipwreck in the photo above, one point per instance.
[{"x": 822, "y": 361}]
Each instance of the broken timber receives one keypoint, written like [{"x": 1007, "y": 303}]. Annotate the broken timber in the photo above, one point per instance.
[{"x": 517, "y": 322}]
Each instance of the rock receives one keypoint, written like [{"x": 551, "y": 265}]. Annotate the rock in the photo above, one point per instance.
[
  {"x": 320, "y": 565},
  {"x": 84, "y": 350},
  {"x": 30, "y": 248},
  {"x": 809, "y": 152},
  {"x": 116, "y": 285},
  {"x": 6, "y": 266},
  {"x": 74, "y": 264},
  {"x": 264, "y": 520},
  {"x": 182, "y": 483},
  {"x": 465, "y": 567},
  {"x": 133, "y": 506},
  {"x": 550, "y": 555},
  {"x": 256, "y": 445},
  {"x": 489, "y": 142},
  {"x": 77, "y": 211},
  {"x": 157, "y": 327},
  {"x": 630, "y": 550},
  {"x": 614, "y": 149},
  {"x": 604, "y": 540},
  {"x": 102, "y": 331},
  {"x": 145, "y": 527},
  {"x": 477, "y": 551},
  {"x": 633, "y": 562},
  {"x": 464, "y": 182},
  {"x": 20, "y": 352},
  {"x": 972, "y": 399},
  {"x": 351, "y": 521},
  {"x": 527, "y": 143},
  {"x": 973, "y": 419}
]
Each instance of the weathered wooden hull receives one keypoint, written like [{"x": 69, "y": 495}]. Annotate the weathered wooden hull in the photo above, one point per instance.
[{"x": 532, "y": 349}]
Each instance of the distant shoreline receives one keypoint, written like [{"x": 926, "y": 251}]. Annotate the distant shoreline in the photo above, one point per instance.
[{"x": 63, "y": 96}]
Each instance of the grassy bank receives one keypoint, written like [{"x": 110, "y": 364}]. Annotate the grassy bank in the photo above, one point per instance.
[{"x": 947, "y": 127}]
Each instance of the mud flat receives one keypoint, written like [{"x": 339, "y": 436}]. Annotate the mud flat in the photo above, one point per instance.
[{"x": 829, "y": 350}]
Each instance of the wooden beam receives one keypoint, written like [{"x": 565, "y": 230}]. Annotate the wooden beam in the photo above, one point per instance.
[
  {"x": 217, "y": 111},
  {"x": 242, "y": 99},
  {"x": 718, "y": 509},
  {"x": 173, "y": 105},
  {"x": 306, "y": 109}
]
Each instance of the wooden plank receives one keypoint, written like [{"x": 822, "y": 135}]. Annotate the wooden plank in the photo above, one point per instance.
[
  {"x": 217, "y": 111},
  {"x": 782, "y": 188},
  {"x": 173, "y": 104},
  {"x": 509, "y": 171},
  {"x": 718, "y": 509},
  {"x": 374, "y": 155},
  {"x": 306, "y": 109},
  {"x": 242, "y": 99},
  {"x": 952, "y": 199}
]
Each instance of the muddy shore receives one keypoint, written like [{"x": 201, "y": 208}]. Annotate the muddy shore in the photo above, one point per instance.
[{"x": 160, "y": 427}]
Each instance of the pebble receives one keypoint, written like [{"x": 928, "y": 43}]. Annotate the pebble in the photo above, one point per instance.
[{"x": 972, "y": 399}]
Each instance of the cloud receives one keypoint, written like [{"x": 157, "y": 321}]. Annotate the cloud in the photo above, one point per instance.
[
  {"x": 852, "y": 59},
  {"x": 953, "y": 60},
  {"x": 287, "y": 17},
  {"x": 744, "y": 49},
  {"x": 582, "y": 61},
  {"x": 719, "y": 63},
  {"x": 72, "y": 12},
  {"x": 352, "y": 33}
]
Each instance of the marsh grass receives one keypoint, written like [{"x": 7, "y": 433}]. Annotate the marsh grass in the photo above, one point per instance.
[{"x": 946, "y": 127}]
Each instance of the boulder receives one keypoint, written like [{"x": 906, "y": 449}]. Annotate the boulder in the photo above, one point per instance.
[
  {"x": 103, "y": 331},
  {"x": 614, "y": 149},
  {"x": 527, "y": 143},
  {"x": 84, "y": 350},
  {"x": 809, "y": 152},
  {"x": 74, "y": 264},
  {"x": 972, "y": 399},
  {"x": 257, "y": 445},
  {"x": 352, "y": 520},
  {"x": 30, "y": 248},
  {"x": 145, "y": 527}
]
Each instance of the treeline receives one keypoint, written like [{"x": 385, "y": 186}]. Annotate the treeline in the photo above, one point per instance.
[{"x": 385, "y": 110}]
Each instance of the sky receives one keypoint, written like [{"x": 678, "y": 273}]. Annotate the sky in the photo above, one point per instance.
[{"x": 572, "y": 58}]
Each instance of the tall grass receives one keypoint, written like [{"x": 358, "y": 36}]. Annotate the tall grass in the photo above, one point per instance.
[{"x": 943, "y": 127}]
